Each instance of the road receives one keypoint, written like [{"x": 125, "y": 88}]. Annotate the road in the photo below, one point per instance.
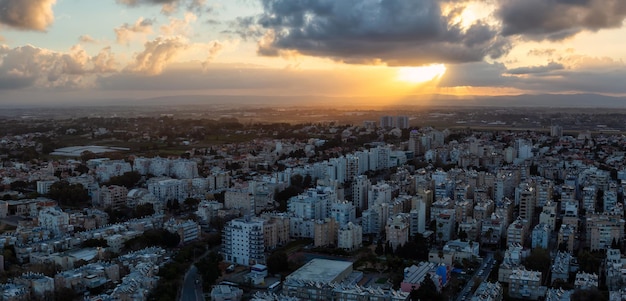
[
  {"x": 480, "y": 275},
  {"x": 191, "y": 290}
]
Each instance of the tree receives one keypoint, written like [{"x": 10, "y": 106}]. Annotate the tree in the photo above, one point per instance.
[
  {"x": 588, "y": 294},
  {"x": 589, "y": 262},
  {"x": 277, "y": 262},
  {"x": 143, "y": 210},
  {"x": 94, "y": 243},
  {"x": 427, "y": 290},
  {"x": 462, "y": 235},
  {"x": 87, "y": 155},
  {"x": 191, "y": 202},
  {"x": 128, "y": 179},
  {"x": 538, "y": 260},
  {"x": 379, "y": 248},
  {"x": 209, "y": 268},
  {"x": 67, "y": 194}
]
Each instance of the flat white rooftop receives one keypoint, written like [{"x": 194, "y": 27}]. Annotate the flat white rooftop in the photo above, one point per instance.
[
  {"x": 321, "y": 270},
  {"x": 75, "y": 151}
]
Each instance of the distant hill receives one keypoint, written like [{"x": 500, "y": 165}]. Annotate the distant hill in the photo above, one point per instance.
[{"x": 524, "y": 100}]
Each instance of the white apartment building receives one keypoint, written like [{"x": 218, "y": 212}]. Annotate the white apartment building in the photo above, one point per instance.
[
  {"x": 239, "y": 199},
  {"x": 187, "y": 230},
  {"x": 379, "y": 193},
  {"x": 561, "y": 267},
  {"x": 525, "y": 284},
  {"x": 218, "y": 180},
  {"x": 541, "y": 236},
  {"x": 517, "y": 231},
  {"x": 43, "y": 187},
  {"x": 54, "y": 220},
  {"x": 585, "y": 281},
  {"x": 397, "y": 230},
  {"x": 243, "y": 241},
  {"x": 168, "y": 189},
  {"x": 343, "y": 212},
  {"x": 360, "y": 188},
  {"x": 610, "y": 198},
  {"x": 488, "y": 291},
  {"x": 301, "y": 228},
  {"x": 107, "y": 169},
  {"x": 183, "y": 169},
  {"x": 417, "y": 216},
  {"x": 548, "y": 215},
  {"x": 207, "y": 210},
  {"x": 350, "y": 237}
]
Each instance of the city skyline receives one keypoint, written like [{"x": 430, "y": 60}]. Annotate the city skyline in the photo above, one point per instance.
[{"x": 59, "y": 51}]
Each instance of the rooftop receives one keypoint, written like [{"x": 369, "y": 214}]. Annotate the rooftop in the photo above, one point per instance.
[{"x": 321, "y": 270}]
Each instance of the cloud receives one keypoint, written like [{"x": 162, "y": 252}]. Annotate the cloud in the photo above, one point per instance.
[
  {"x": 179, "y": 26},
  {"x": 86, "y": 39},
  {"x": 400, "y": 32},
  {"x": 28, "y": 66},
  {"x": 128, "y": 32},
  {"x": 559, "y": 19},
  {"x": 552, "y": 66},
  {"x": 146, "y": 2},
  {"x": 542, "y": 52},
  {"x": 27, "y": 14},
  {"x": 157, "y": 54},
  {"x": 171, "y": 6}
]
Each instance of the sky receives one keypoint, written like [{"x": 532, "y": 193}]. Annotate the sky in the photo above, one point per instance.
[{"x": 93, "y": 51}]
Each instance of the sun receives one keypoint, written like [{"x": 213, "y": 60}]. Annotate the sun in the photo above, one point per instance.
[{"x": 421, "y": 74}]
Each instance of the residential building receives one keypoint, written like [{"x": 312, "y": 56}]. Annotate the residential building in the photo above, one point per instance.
[
  {"x": 517, "y": 232},
  {"x": 343, "y": 212},
  {"x": 207, "y": 210},
  {"x": 55, "y": 220},
  {"x": 558, "y": 294},
  {"x": 566, "y": 237},
  {"x": 446, "y": 224},
  {"x": 488, "y": 291},
  {"x": 243, "y": 241},
  {"x": 397, "y": 230},
  {"x": 525, "y": 284},
  {"x": 350, "y": 237},
  {"x": 548, "y": 215},
  {"x": 226, "y": 293},
  {"x": 586, "y": 281},
  {"x": 415, "y": 274},
  {"x": 325, "y": 232},
  {"x": 276, "y": 229},
  {"x": 615, "y": 269},
  {"x": 603, "y": 229},
  {"x": 113, "y": 196},
  {"x": 541, "y": 236},
  {"x": 561, "y": 267},
  {"x": 187, "y": 230}
]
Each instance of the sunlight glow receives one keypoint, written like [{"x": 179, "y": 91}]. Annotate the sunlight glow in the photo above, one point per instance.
[{"x": 421, "y": 74}]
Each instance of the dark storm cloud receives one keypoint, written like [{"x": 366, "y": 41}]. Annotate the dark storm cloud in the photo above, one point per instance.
[
  {"x": 27, "y": 14},
  {"x": 396, "y": 32},
  {"x": 559, "y": 19},
  {"x": 552, "y": 66}
]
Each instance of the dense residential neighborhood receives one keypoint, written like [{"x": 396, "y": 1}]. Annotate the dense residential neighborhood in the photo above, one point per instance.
[{"x": 391, "y": 209}]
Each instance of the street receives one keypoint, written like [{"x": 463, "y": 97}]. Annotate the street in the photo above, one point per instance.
[
  {"x": 480, "y": 275},
  {"x": 191, "y": 290}
]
